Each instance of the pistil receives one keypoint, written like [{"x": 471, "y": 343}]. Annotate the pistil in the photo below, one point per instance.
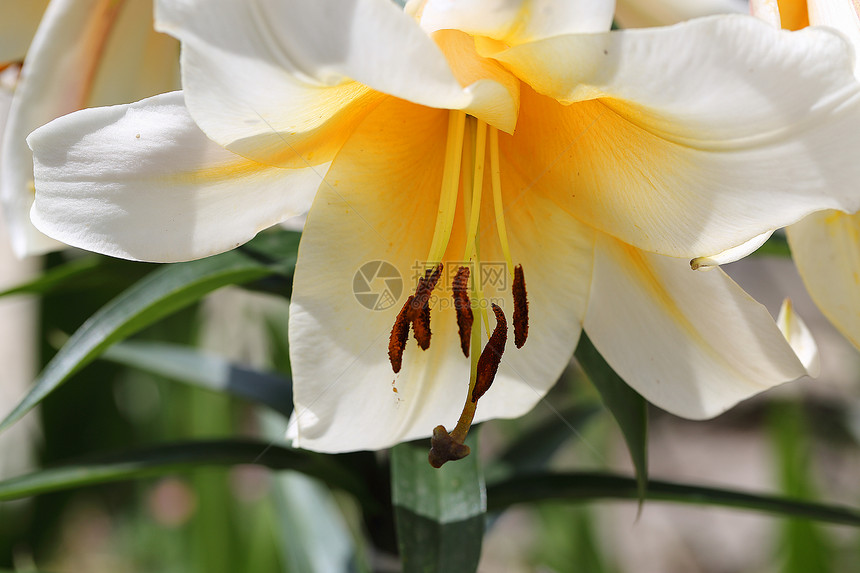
[{"x": 445, "y": 446}]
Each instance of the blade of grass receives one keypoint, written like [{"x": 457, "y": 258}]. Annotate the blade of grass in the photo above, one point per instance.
[
  {"x": 589, "y": 486},
  {"x": 167, "y": 290},
  {"x": 192, "y": 366},
  {"x": 178, "y": 457}
]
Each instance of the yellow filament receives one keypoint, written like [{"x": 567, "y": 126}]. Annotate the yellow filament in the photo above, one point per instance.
[
  {"x": 450, "y": 188},
  {"x": 477, "y": 187},
  {"x": 496, "y": 173},
  {"x": 467, "y": 167}
]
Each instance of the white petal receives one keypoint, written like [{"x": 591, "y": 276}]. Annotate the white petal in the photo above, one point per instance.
[
  {"x": 691, "y": 343},
  {"x": 826, "y": 249},
  {"x": 644, "y": 13},
  {"x": 841, "y": 15},
  {"x": 85, "y": 52},
  {"x": 141, "y": 181},
  {"x": 18, "y": 22},
  {"x": 381, "y": 206},
  {"x": 799, "y": 337},
  {"x": 730, "y": 255},
  {"x": 254, "y": 86},
  {"x": 703, "y": 135},
  {"x": 518, "y": 21}
]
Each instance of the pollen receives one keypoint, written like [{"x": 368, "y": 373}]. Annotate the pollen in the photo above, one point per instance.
[
  {"x": 399, "y": 335},
  {"x": 488, "y": 364},
  {"x": 463, "y": 308},
  {"x": 521, "y": 307},
  {"x": 416, "y": 311}
]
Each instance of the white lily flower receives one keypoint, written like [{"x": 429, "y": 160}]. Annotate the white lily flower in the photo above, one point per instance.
[
  {"x": 84, "y": 53},
  {"x": 480, "y": 131},
  {"x": 825, "y": 246}
]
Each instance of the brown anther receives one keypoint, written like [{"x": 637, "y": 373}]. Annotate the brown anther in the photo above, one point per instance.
[
  {"x": 521, "y": 307},
  {"x": 425, "y": 286},
  {"x": 421, "y": 327},
  {"x": 416, "y": 311},
  {"x": 399, "y": 335},
  {"x": 444, "y": 448},
  {"x": 463, "y": 307},
  {"x": 491, "y": 356}
]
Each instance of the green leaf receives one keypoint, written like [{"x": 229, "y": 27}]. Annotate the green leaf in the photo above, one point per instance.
[
  {"x": 184, "y": 456},
  {"x": 594, "y": 485},
  {"x": 439, "y": 513},
  {"x": 775, "y": 246},
  {"x": 192, "y": 366},
  {"x": 81, "y": 273},
  {"x": 627, "y": 406},
  {"x": 167, "y": 290},
  {"x": 803, "y": 546},
  {"x": 309, "y": 525}
]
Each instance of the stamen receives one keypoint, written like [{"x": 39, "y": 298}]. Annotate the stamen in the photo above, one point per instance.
[
  {"x": 496, "y": 172},
  {"x": 463, "y": 307},
  {"x": 477, "y": 187},
  {"x": 426, "y": 285},
  {"x": 421, "y": 327},
  {"x": 399, "y": 335},
  {"x": 521, "y": 307},
  {"x": 488, "y": 364},
  {"x": 416, "y": 311},
  {"x": 419, "y": 308},
  {"x": 472, "y": 209},
  {"x": 450, "y": 186},
  {"x": 444, "y": 446}
]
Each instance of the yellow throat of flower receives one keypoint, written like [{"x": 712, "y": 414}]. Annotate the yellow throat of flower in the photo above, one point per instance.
[{"x": 465, "y": 164}]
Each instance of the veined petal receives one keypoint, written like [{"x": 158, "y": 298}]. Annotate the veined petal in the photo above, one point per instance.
[
  {"x": 141, "y": 181},
  {"x": 517, "y": 21},
  {"x": 85, "y": 52},
  {"x": 757, "y": 130},
  {"x": 18, "y": 23},
  {"x": 692, "y": 343},
  {"x": 263, "y": 77},
  {"x": 841, "y": 15},
  {"x": 825, "y": 247},
  {"x": 381, "y": 206}
]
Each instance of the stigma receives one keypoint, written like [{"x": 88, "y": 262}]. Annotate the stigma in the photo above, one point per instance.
[{"x": 472, "y": 149}]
